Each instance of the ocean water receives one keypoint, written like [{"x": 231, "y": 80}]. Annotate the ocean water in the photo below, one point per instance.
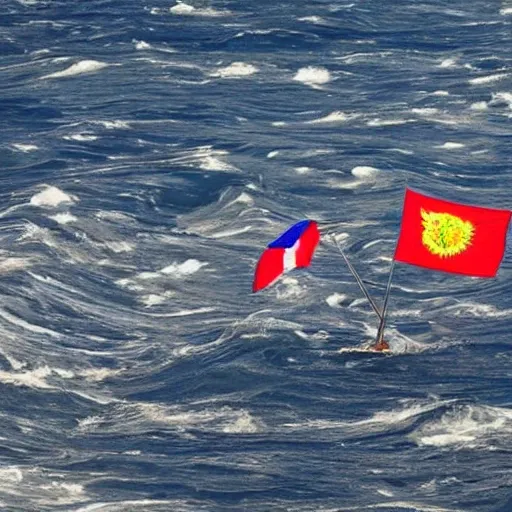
[{"x": 150, "y": 150}]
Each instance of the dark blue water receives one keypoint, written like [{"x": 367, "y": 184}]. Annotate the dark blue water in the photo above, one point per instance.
[{"x": 149, "y": 152}]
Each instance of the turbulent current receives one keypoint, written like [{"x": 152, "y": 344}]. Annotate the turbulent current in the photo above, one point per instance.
[{"x": 149, "y": 152}]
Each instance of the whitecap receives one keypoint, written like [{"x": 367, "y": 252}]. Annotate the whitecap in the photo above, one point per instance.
[
  {"x": 364, "y": 172},
  {"x": 479, "y": 106},
  {"x": 488, "y": 79},
  {"x": 312, "y": 75},
  {"x": 26, "y": 148},
  {"x": 425, "y": 111},
  {"x": 478, "y": 310},
  {"x": 448, "y": 63},
  {"x": 506, "y": 11},
  {"x": 142, "y": 45},
  {"x": 81, "y": 137},
  {"x": 388, "y": 122},
  {"x": 51, "y": 196},
  {"x": 30, "y": 378},
  {"x": 312, "y": 19},
  {"x": 502, "y": 97},
  {"x": 152, "y": 299},
  {"x": 334, "y": 117},
  {"x": 451, "y": 145},
  {"x": 82, "y": 67},
  {"x": 119, "y": 246},
  {"x": 468, "y": 426},
  {"x": 11, "y": 474},
  {"x": 11, "y": 264},
  {"x": 335, "y": 300},
  {"x": 187, "y": 268},
  {"x": 63, "y": 218},
  {"x": 112, "y": 125},
  {"x": 235, "y": 70},
  {"x": 183, "y": 9}
]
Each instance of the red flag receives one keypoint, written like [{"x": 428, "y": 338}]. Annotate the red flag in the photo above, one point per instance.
[{"x": 451, "y": 237}]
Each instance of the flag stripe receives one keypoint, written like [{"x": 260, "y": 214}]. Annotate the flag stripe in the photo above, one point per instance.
[{"x": 290, "y": 236}]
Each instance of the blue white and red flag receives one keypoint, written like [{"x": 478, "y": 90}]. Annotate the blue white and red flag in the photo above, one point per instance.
[{"x": 294, "y": 248}]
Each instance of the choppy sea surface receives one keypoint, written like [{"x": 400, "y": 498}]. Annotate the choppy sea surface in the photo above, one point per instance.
[{"x": 149, "y": 152}]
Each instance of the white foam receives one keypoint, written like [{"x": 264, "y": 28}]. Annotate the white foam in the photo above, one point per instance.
[
  {"x": 134, "y": 416},
  {"x": 303, "y": 170},
  {"x": 37, "y": 329},
  {"x": 11, "y": 474},
  {"x": 130, "y": 505},
  {"x": 478, "y": 310},
  {"x": 113, "y": 125},
  {"x": 142, "y": 45},
  {"x": 30, "y": 378},
  {"x": 244, "y": 424},
  {"x": 448, "y": 63},
  {"x": 488, "y": 79},
  {"x": 397, "y": 416},
  {"x": 231, "y": 232},
  {"x": 425, "y": 111},
  {"x": 235, "y": 70},
  {"x": 80, "y": 68},
  {"x": 413, "y": 505},
  {"x": 153, "y": 299},
  {"x": 119, "y": 246},
  {"x": 335, "y": 300},
  {"x": 99, "y": 374},
  {"x": 451, "y": 145},
  {"x": 364, "y": 175},
  {"x": 51, "y": 196},
  {"x": 440, "y": 93},
  {"x": 187, "y": 268},
  {"x": 81, "y": 137},
  {"x": 63, "y": 493},
  {"x": 207, "y": 158},
  {"x": 183, "y": 9},
  {"x": 63, "y": 218},
  {"x": 312, "y": 76},
  {"x": 380, "y": 420},
  {"x": 290, "y": 289},
  {"x": 312, "y": 19},
  {"x": 26, "y": 148},
  {"x": 387, "y": 122},
  {"x": 11, "y": 264},
  {"x": 468, "y": 426},
  {"x": 333, "y": 117},
  {"x": 364, "y": 172},
  {"x": 502, "y": 97},
  {"x": 479, "y": 106},
  {"x": 506, "y": 11}
]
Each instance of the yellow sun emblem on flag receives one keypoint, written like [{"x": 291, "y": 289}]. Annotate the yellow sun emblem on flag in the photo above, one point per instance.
[{"x": 444, "y": 234}]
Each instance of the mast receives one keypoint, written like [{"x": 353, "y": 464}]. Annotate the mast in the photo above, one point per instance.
[
  {"x": 380, "y": 343},
  {"x": 359, "y": 281}
]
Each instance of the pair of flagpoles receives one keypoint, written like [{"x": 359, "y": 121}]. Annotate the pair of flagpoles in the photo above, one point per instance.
[{"x": 379, "y": 342}]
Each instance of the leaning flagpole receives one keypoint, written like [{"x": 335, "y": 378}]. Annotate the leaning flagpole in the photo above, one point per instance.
[
  {"x": 380, "y": 343},
  {"x": 359, "y": 281}
]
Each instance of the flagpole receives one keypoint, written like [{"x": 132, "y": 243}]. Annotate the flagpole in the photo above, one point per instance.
[
  {"x": 380, "y": 332},
  {"x": 359, "y": 280}
]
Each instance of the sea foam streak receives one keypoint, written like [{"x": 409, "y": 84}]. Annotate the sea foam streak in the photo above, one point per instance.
[
  {"x": 84, "y": 66},
  {"x": 51, "y": 197}
]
